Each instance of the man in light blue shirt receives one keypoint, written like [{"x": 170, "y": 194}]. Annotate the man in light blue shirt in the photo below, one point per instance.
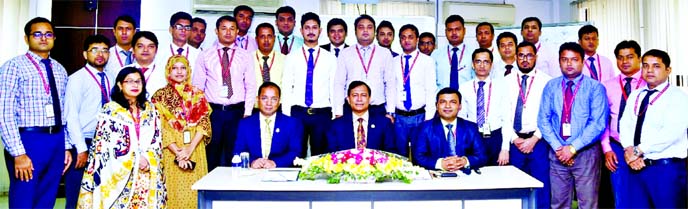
[
  {"x": 573, "y": 114},
  {"x": 453, "y": 62}
]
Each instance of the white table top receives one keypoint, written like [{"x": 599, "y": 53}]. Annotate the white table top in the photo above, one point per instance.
[{"x": 493, "y": 177}]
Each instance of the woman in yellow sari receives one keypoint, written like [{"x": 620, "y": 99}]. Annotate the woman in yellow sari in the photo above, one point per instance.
[{"x": 185, "y": 113}]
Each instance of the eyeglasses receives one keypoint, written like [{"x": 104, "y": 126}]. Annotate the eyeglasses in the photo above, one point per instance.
[
  {"x": 132, "y": 82},
  {"x": 97, "y": 50},
  {"x": 182, "y": 27},
  {"x": 38, "y": 35},
  {"x": 526, "y": 56}
]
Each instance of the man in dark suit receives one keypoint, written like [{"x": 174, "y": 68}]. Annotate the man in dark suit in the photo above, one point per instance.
[
  {"x": 361, "y": 129},
  {"x": 336, "y": 31},
  {"x": 448, "y": 142},
  {"x": 271, "y": 138}
]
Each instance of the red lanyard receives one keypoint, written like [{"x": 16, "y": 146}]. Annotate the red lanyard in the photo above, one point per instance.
[
  {"x": 622, "y": 87},
  {"x": 306, "y": 58},
  {"x": 460, "y": 57},
  {"x": 569, "y": 106},
  {"x": 40, "y": 72},
  {"x": 538, "y": 48},
  {"x": 635, "y": 109},
  {"x": 137, "y": 122},
  {"x": 599, "y": 71},
  {"x": 149, "y": 74},
  {"x": 524, "y": 98},
  {"x": 187, "y": 51},
  {"x": 406, "y": 77},
  {"x": 102, "y": 88},
  {"x": 489, "y": 97},
  {"x": 290, "y": 45},
  {"x": 273, "y": 58},
  {"x": 185, "y": 110},
  {"x": 366, "y": 69},
  {"x": 230, "y": 60}
]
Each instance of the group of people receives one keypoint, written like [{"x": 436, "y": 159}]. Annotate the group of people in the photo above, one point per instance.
[{"x": 126, "y": 135}]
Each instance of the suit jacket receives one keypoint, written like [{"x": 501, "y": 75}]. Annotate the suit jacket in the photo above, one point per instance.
[
  {"x": 286, "y": 139},
  {"x": 380, "y": 134},
  {"x": 431, "y": 143},
  {"x": 327, "y": 46}
]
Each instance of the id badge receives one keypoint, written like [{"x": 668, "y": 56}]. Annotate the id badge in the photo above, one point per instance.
[
  {"x": 486, "y": 131},
  {"x": 49, "y": 112},
  {"x": 224, "y": 91},
  {"x": 566, "y": 129},
  {"x": 187, "y": 137}
]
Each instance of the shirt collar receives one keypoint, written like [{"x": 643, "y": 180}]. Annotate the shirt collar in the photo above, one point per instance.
[
  {"x": 365, "y": 117},
  {"x": 119, "y": 49},
  {"x": 263, "y": 117},
  {"x": 360, "y": 47},
  {"x": 92, "y": 69},
  {"x": 341, "y": 47},
  {"x": 413, "y": 53},
  {"x": 658, "y": 87},
  {"x": 218, "y": 45},
  {"x": 444, "y": 123},
  {"x": 594, "y": 55}
]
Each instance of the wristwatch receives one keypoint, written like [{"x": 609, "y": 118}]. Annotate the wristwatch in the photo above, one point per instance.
[
  {"x": 572, "y": 149},
  {"x": 636, "y": 152}
]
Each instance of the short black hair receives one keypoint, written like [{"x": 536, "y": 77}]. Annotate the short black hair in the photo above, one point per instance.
[
  {"x": 125, "y": 18},
  {"x": 484, "y": 24},
  {"x": 35, "y": 20},
  {"x": 199, "y": 20},
  {"x": 285, "y": 9},
  {"x": 224, "y": 18},
  {"x": 585, "y": 30},
  {"x": 482, "y": 50},
  {"x": 407, "y": 27},
  {"x": 243, "y": 8},
  {"x": 626, "y": 44},
  {"x": 385, "y": 24},
  {"x": 454, "y": 18},
  {"x": 337, "y": 21},
  {"x": 355, "y": 84},
  {"x": 528, "y": 19},
  {"x": 310, "y": 16},
  {"x": 96, "y": 39},
  {"x": 363, "y": 17},
  {"x": 269, "y": 84},
  {"x": 572, "y": 46},
  {"x": 447, "y": 90},
  {"x": 118, "y": 96},
  {"x": 504, "y": 35},
  {"x": 526, "y": 44},
  {"x": 179, "y": 16},
  {"x": 659, "y": 54},
  {"x": 144, "y": 34},
  {"x": 265, "y": 25},
  {"x": 427, "y": 34}
]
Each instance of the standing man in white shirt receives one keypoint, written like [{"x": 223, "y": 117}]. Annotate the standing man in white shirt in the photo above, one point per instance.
[
  {"x": 597, "y": 67},
  {"x": 285, "y": 20},
  {"x": 180, "y": 29},
  {"x": 121, "y": 54},
  {"x": 454, "y": 60},
  {"x": 506, "y": 45},
  {"x": 145, "y": 45},
  {"x": 548, "y": 59},
  {"x": 244, "y": 16}
]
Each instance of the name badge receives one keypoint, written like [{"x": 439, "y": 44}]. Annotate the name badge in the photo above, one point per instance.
[
  {"x": 187, "y": 137},
  {"x": 224, "y": 91},
  {"x": 486, "y": 131},
  {"x": 566, "y": 129},
  {"x": 49, "y": 112}
]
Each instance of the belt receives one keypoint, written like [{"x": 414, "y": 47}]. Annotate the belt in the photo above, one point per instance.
[
  {"x": 311, "y": 110},
  {"x": 525, "y": 135},
  {"x": 664, "y": 161},
  {"x": 420, "y": 110},
  {"x": 47, "y": 129},
  {"x": 219, "y": 107}
]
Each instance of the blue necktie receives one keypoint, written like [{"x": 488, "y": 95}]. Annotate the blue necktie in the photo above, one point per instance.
[
  {"x": 309, "y": 78},
  {"x": 128, "y": 55},
  {"x": 481, "y": 104},
  {"x": 519, "y": 105},
  {"x": 641, "y": 117},
  {"x": 53, "y": 92},
  {"x": 241, "y": 41},
  {"x": 593, "y": 68},
  {"x": 451, "y": 139},
  {"x": 454, "y": 70},
  {"x": 622, "y": 104},
  {"x": 407, "y": 84},
  {"x": 179, "y": 51},
  {"x": 103, "y": 94},
  {"x": 336, "y": 52}
]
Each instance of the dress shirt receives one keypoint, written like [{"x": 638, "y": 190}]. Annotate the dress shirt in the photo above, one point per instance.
[
  {"x": 529, "y": 115},
  {"x": 442, "y": 58},
  {"x": 23, "y": 98},
  {"x": 366, "y": 118},
  {"x": 155, "y": 77},
  {"x": 275, "y": 63},
  {"x": 168, "y": 50},
  {"x": 548, "y": 59},
  {"x": 665, "y": 125},
  {"x": 423, "y": 82},
  {"x": 604, "y": 66},
  {"x": 294, "y": 79},
  {"x": 117, "y": 61},
  {"x": 208, "y": 76},
  {"x": 589, "y": 113},
  {"x": 294, "y": 42},
  {"x": 265, "y": 138},
  {"x": 495, "y": 101},
  {"x": 380, "y": 76},
  {"x": 614, "y": 94},
  {"x": 438, "y": 164},
  {"x": 248, "y": 43},
  {"x": 499, "y": 68},
  {"x": 341, "y": 48},
  {"x": 83, "y": 104}
]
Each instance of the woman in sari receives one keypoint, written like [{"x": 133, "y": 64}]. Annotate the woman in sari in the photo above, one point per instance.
[
  {"x": 184, "y": 113},
  {"x": 124, "y": 169}
]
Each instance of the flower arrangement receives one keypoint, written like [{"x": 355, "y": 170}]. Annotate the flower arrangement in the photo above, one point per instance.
[{"x": 358, "y": 166}]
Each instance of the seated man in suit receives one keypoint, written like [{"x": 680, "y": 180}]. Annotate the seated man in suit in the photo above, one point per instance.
[
  {"x": 271, "y": 138},
  {"x": 447, "y": 142},
  {"x": 361, "y": 129}
]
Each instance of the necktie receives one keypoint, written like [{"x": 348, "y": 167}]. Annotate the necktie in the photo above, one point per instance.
[
  {"x": 365, "y": 52},
  {"x": 309, "y": 78},
  {"x": 518, "y": 117},
  {"x": 128, "y": 55},
  {"x": 508, "y": 69},
  {"x": 593, "y": 68},
  {"x": 266, "y": 69},
  {"x": 568, "y": 97},
  {"x": 481, "y": 104},
  {"x": 360, "y": 136},
  {"x": 104, "y": 96},
  {"x": 227, "y": 76},
  {"x": 451, "y": 139},
  {"x": 336, "y": 52},
  {"x": 454, "y": 70},
  {"x": 179, "y": 51},
  {"x": 143, "y": 70},
  {"x": 241, "y": 41},
  {"x": 641, "y": 117},
  {"x": 407, "y": 84},
  {"x": 622, "y": 104},
  {"x": 53, "y": 92},
  {"x": 267, "y": 144},
  {"x": 285, "y": 47}
]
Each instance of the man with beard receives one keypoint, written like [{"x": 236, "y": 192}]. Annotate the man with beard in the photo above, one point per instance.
[
  {"x": 336, "y": 32},
  {"x": 268, "y": 62},
  {"x": 244, "y": 16},
  {"x": 285, "y": 20},
  {"x": 426, "y": 43},
  {"x": 180, "y": 29},
  {"x": 88, "y": 89},
  {"x": 197, "y": 36},
  {"x": 121, "y": 54},
  {"x": 385, "y": 36},
  {"x": 454, "y": 60}
]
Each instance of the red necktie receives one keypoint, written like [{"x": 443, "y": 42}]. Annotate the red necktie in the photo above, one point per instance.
[
  {"x": 360, "y": 136},
  {"x": 143, "y": 70}
]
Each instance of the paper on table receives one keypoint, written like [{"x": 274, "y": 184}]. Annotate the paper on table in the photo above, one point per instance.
[{"x": 280, "y": 175}]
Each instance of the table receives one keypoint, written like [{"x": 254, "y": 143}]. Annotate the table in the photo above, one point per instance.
[{"x": 496, "y": 182}]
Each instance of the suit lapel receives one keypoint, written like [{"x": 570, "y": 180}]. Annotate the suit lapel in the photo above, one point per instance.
[
  {"x": 441, "y": 143},
  {"x": 349, "y": 131}
]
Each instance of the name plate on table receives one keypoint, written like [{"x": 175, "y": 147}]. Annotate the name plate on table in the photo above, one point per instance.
[{"x": 280, "y": 175}]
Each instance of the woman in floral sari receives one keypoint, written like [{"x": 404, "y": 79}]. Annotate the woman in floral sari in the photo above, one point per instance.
[
  {"x": 184, "y": 112},
  {"x": 124, "y": 169}
]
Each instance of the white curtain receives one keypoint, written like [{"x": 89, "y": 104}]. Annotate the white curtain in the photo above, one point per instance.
[
  {"x": 13, "y": 15},
  {"x": 383, "y": 8}
]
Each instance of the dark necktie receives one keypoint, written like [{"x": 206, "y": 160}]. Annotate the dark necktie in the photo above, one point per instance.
[
  {"x": 518, "y": 117},
  {"x": 336, "y": 52},
  {"x": 103, "y": 94},
  {"x": 407, "y": 84},
  {"x": 451, "y": 139},
  {"x": 508, "y": 69},
  {"x": 454, "y": 70},
  {"x": 285, "y": 47},
  {"x": 622, "y": 104},
  {"x": 481, "y": 104},
  {"x": 309, "y": 78},
  {"x": 641, "y": 117},
  {"x": 241, "y": 41},
  {"x": 227, "y": 76},
  {"x": 266, "y": 69},
  {"x": 179, "y": 51},
  {"x": 593, "y": 68},
  {"x": 568, "y": 105},
  {"x": 53, "y": 92},
  {"x": 128, "y": 55}
]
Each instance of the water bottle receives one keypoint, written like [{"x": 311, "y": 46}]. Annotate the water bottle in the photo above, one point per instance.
[{"x": 236, "y": 165}]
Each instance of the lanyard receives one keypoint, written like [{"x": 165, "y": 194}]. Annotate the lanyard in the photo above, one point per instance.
[
  {"x": 40, "y": 72},
  {"x": 102, "y": 88},
  {"x": 230, "y": 60},
  {"x": 280, "y": 43},
  {"x": 569, "y": 106},
  {"x": 137, "y": 122},
  {"x": 149, "y": 74},
  {"x": 460, "y": 57},
  {"x": 599, "y": 71},
  {"x": 185, "y": 110},
  {"x": 410, "y": 68},
  {"x": 120, "y": 59},
  {"x": 187, "y": 51},
  {"x": 524, "y": 98},
  {"x": 622, "y": 87},
  {"x": 271, "y": 62},
  {"x": 538, "y": 48},
  {"x": 306, "y": 58},
  {"x": 489, "y": 97},
  {"x": 635, "y": 109},
  {"x": 366, "y": 69}
]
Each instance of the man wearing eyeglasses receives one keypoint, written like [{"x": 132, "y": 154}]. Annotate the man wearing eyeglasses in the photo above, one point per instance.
[
  {"x": 180, "y": 29},
  {"x": 31, "y": 121}
]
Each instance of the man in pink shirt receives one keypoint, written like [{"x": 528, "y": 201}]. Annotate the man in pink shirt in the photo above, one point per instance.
[{"x": 596, "y": 66}]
